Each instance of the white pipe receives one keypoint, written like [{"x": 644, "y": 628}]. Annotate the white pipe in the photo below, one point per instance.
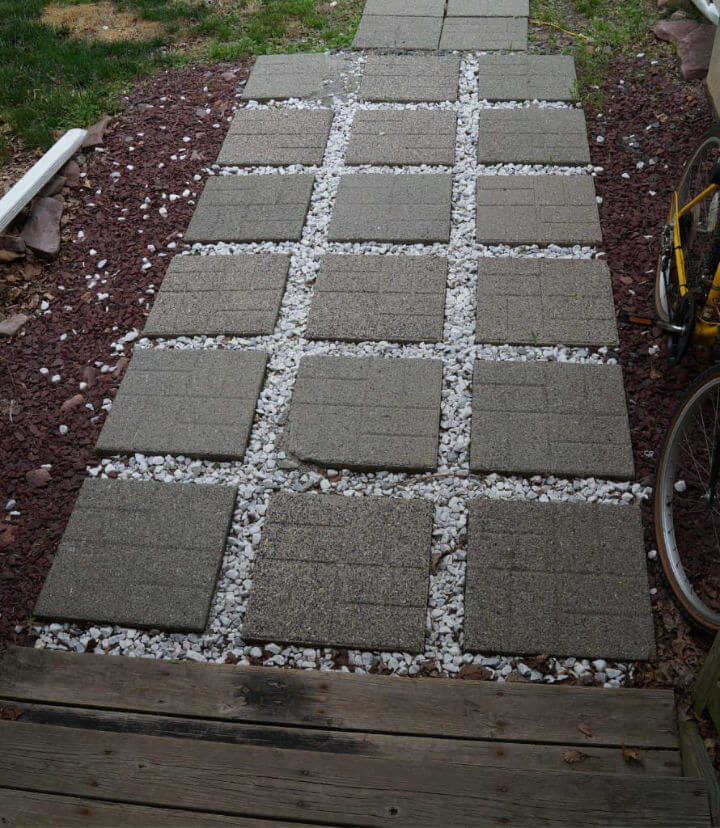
[
  {"x": 39, "y": 174},
  {"x": 709, "y": 9}
]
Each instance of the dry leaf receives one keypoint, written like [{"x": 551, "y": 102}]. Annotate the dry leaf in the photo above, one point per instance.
[
  {"x": 631, "y": 755},
  {"x": 585, "y": 730},
  {"x": 10, "y": 713},
  {"x": 574, "y": 756}
]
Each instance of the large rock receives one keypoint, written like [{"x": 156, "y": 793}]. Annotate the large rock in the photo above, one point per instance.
[
  {"x": 41, "y": 232},
  {"x": 96, "y": 132},
  {"x": 693, "y": 43}
]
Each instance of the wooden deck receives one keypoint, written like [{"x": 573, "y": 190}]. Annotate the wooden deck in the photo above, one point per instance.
[{"x": 97, "y": 740}]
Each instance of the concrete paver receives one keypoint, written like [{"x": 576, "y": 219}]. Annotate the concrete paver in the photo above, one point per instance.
[
  {"x": 402, "y": 137},
  {"x": 410, "y": 78},
  {"x": 488, "y": 8},
  {"x": 408, "y": 8},
  {"x": 309, "y": 77},
  {"x": 527, "y": 77},
  {"x": 484, "y": 33},
  {"x": 386, "y": 31}
]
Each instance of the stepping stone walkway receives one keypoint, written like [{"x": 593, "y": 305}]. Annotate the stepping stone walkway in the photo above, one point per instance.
[
  {"x": 407, "y": 79},
  {"x": 390, "y": 137}
]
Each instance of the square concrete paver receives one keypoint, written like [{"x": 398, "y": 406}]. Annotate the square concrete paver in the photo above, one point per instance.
[
  {"x": 537, "y": 209},
  {"x": 402, "y": 137},
  {"x": 488, "y": 8},
  {"x": 568, "y": 579},
  {"x": 140, "y": 554},
  {"x": 246, "y": 208},
  {"x": 313, "y": 77},
  {"x": 526, "y": 77},
  {"x": 366, "y": 412},
  {"x": 196, "y": 403},
  {"x": 386, "y": 31},
  {"x": 550, "y": 418},
  {"x": 233, "y": 295},
  {"x": 276, "y": 137},
  {"x": 487, "y": 33},
  {"x": 394, "y": 298},
  {"x": 336, "y": 571},
  {"x": 392, "y": 208},
  {"x": 410, "y": 78},
  {"x": 409, "y": 8},
  {"x": 545, "y": 302},
  {"x": 533, "y": 136}
]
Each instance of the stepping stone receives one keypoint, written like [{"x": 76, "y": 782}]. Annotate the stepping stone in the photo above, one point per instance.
[
  {"x": 407, "y": 79},
  {"x": 313, "y": 77},
  {"x": 336, "y": 571},
  {"x": 545, "y": 302},
  {"x": 488, "y": 8},
  {"x": 392, "y": 208},
  {"x": 409, "y": 8},
  {"x": 550, "y": 418},
  {"x": 195, "y": 403},
  {"x": 527, "y": 78},
  {"x": 568, "y": 579},
  {"x": 393, "y": 298},
  {"x": 231, "y": 295},
  {"x": 140, "y": 554},
  {"x": 397, "y": 32},
  {"x": 402, "y": 137},
  {"x": 489, "y": 33},
  {"x": 537, "y": 209},
  {"x": 276, "y": 138},
  {"x": 533, "y": 136},
  {"x": 247, "y": 208},
  {"x": 366, "y": 412}
]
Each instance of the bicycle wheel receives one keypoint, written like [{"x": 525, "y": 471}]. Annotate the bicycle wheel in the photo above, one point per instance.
[{"x": 687, "y": 503}]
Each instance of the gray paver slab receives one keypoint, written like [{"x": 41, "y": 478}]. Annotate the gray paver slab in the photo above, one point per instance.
[
  {"x": 487, "y": 33},
  {"x": 140, "y": 554},
  {"x": 529, "y": 209},
  {"x": 410, "y": 78},
  {"x": 392, "y": 208},
  {"x": 488, "y": 8},
  {"x": 394, "y": 298},
  {"x": 402, "y": 137},
  {"x": 550, "y": 418},
  {"x": 533, "y": 136},
  {"x": 314, "y": 77},
  {"x": 397, "y": 32},
  {"x": 195, "y": 403},
  {"x": 545, "y": 302},
  {"x": 411, "y": 8},
  {"x": 366, "y": 412},
  {"x": 568, "y": 579},
  {"x": 233, "y": 295},
  {"x": 343, "y": 572},
  {"x": 245, "y": 208},
  {"x": 526, "y": 77},
  {"x": 276, "y": 137}
]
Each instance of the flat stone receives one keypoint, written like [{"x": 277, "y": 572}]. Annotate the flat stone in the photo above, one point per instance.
[
  {"x": 336, "y": 571},
  {"x": 397, "y": 32},
  {"x": 409, "y": 8},
  {"x": 537, "y": 209},
  {"x": 392, "y": 208},
  {"x": 313, "y": 77},
  {"x": 487, "y": 33},
  {"x": 96, "y": 132},
  {"x": 550, "y": 418},
  {"x": 245, "y": 208},
  {"x": 545, "y": 302},
  {"x": 41, "y": 232},
  {"x": 195, "y": 403},
  {"x": 410, "y": 78},
  {"x": 393, "y": 298},
  {"x": 231, "y": 295},
  {"x": 402, "y": 137},
  {"x": 13, "y": 324},
  {"x": 276, "y": 137},
  {"x": 694, "y": 43},
  {"x": 140, "y": 554},
  {"x": 560, "y": 578},
  {"x": 527, "y": 78},
  {"x": 366, "y": 412},
  {"x": 488, "y": 8},
  {"x": 533, "y": 136}
]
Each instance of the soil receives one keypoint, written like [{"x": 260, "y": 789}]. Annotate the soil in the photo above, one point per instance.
[{"x": 100, "y": 21}]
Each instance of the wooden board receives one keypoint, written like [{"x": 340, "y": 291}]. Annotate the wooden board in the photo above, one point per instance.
[{"x": 696, "y": 763}]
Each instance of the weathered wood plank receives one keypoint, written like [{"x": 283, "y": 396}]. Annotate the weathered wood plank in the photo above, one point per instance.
[
  {"x": 427, "y": 707},
  {"x": 327, "y": 787},
  {"x": 696, "y": 764},
  {"x": 708, "y": 679}
]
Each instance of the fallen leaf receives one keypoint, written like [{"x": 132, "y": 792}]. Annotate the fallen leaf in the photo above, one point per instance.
[
  {"x": 585, "y": 730},
  {"x": 574, "y": 756},
  {"x": 631, "y": 755},
  {"x": 10, "y": 713}
]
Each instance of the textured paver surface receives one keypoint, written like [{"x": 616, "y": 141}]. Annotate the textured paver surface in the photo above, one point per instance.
[
  {"x": 558, "y": 578},
  {"x": 276, "y": 138},
  {"x": 408, "y": 78},
  {"x": 526, "y": 77},
  {"x": 396, "y": 298},
  {"x": 344, "y": 572},
  {"x": 402, "y": 137},
  {"x": 527, "y": 209},
  {"x": 545, "y": 302},
  {"x": 392, "y": 208},
  {"x": 488, "y": 8},
  {"x": 314, "y": 77},
  {"x": 487, "y": 33},
  {"x": 411, "y": 8},
  {"x": 196, "y": 403},
  {"x": 246, "y": 208},
  {"x": 542, "y": 136},
  {"x": 366, "y": 412},
  {"x": 234, "y": 295},
  {"x": 377, "y": 31},
  {"x": 141, "y": 554},
  {"x": 550, "y": 418}
]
